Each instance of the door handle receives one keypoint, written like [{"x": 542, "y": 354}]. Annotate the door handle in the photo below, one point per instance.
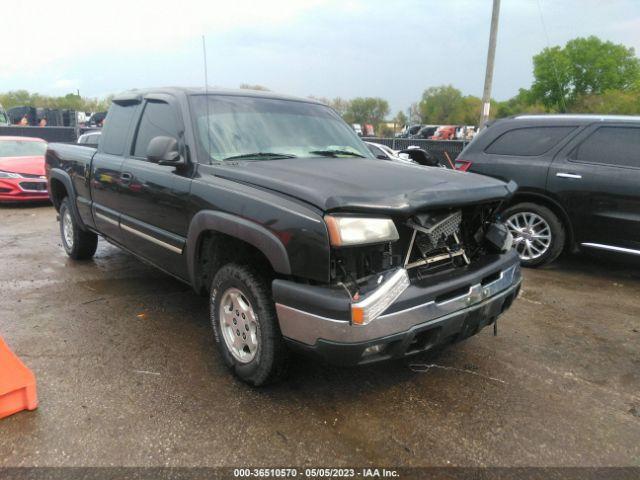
[
  {"x": 125, "y": 177},
  {"x": 568, "y": 175}
]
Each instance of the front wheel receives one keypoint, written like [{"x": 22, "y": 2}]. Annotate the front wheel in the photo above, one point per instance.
[
  {"x": 538, "y": 234},
  {"x": 246, "y": 325},
  {"x": 79, "y": 244}
]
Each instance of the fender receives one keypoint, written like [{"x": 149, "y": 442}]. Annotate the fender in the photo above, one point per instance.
[
  {"x": 64, "y": 177},
  {"x": 237, "y": 227}
]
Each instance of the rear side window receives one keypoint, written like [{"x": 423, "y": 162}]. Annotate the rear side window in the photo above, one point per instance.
[
  {"x": 158, "y": 120},
  {"x": 528, "y": 142},
  {"x": 619, "y": 146},
  {"x": 116, "y": 128}
]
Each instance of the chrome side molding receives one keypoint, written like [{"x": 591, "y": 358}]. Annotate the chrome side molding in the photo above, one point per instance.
[
  {"x": 568, "y": 175},
  {"x": 611, "y": 248},
  {"x": 150, "y": 238},
  {"x": 107, "y": 219}
]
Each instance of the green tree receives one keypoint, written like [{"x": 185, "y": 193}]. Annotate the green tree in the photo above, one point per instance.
[
  {"x": 615, "y": 102},
  {"x": 521, "y": 103},
  {"x": 400, "y": 119},
  {"x": 441, "y": 105},
  {"x": 584, "y": 66},
  {"x": 18, "y": 98},
  {"x": 371, "y": 110}
]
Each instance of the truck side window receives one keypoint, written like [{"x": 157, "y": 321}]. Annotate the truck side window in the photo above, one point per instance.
[
  {"x": 530, "y": 141},
  {"x": 158, "y": 120},
  {"x": 619, "y": 146},
  {"x": 116, "y": 128}
]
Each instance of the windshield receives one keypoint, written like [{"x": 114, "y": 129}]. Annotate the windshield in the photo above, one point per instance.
[
  {"x": 21, "y": 148},
  {"x": 262, "y": 129}
]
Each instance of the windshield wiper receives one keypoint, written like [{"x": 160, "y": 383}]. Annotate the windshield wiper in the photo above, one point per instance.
[
  {"x": 261, "y": 154},
  {"x": 335, "y": 153}
]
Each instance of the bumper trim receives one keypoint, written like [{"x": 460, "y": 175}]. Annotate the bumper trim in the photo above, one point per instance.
[{"x": 307, "y": 328}]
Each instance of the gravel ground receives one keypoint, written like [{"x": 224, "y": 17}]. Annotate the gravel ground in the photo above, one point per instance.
[{"x": 128, "y": 375}]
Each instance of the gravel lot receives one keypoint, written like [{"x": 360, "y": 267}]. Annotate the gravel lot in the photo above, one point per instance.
[{"x": 128, "y": 375}]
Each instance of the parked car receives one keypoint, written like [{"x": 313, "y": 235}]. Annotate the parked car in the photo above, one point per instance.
[
  {"x": 387, "y": 153},
  {"x": 444, "y": 132},
  {"x": 90, "y": 138},
  {"x": 409, "y": 131},
  {"x": 22, "y": 175},
  {"x": 97, "y": 119},
  {"x": 425, "y": 132},
  {"x": 300, "y": 237},
  {"x": 357, "y": 128},
  {"x": 578, "y": 177}
]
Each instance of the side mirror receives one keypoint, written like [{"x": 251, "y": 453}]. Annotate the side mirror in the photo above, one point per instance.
[
  {"x": 382, "y": 157},
  {"x": 164, "y": 151}
]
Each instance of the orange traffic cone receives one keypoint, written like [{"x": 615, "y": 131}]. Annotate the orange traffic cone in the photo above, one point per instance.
[{"x": 17, "y": 384}]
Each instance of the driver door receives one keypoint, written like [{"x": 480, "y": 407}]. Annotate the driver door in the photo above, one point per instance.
[{"x": 154, "y": 197}]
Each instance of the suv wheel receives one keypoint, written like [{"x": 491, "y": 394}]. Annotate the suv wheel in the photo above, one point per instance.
[
  {"x": 79, "y": 244},
  {"x": 246, "y": 325},
  {"x": 538, "y": 234}
]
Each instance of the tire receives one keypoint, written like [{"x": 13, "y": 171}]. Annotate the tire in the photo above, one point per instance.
[
  {"x": 79, "y": 244},
  {"x": 544, "y": 229},
  {"x": 259, "y": 358}
]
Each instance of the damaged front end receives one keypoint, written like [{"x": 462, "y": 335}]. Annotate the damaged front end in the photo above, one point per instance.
[{"x": 428, "y": 242}]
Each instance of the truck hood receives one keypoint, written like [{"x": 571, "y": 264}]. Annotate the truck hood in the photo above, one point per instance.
[{"x": 362, "y": 184}]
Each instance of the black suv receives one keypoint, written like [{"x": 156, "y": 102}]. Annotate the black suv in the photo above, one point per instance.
[{"x": 578, "y": 178}]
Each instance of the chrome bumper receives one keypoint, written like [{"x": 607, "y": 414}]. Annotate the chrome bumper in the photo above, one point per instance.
[{"x": 308, "y": 328}]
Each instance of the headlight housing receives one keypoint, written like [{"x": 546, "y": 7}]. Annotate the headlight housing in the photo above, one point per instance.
[
  {"x": 9, "y": 175},
  {"x": 345, "y": 231}
]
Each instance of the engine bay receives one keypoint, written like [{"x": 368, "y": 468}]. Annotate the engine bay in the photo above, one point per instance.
[{"x": 430, "y": 242}]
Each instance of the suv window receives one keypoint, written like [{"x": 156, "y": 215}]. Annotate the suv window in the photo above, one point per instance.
[
  {"x": 528, "y": 141},
  {"x": 158, "y": 120},
  {"x": 619, "y": 146},
  {"x": 116, "y": 128}
]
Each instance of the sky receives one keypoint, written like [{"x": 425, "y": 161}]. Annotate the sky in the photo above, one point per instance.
[{"x": 393, "y": 49}]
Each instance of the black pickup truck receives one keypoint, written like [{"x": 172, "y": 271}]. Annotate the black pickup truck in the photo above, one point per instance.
[{"x": 273, "y": 207}]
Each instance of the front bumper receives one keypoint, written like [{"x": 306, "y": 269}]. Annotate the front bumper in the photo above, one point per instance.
[
  {"x": 439, "y": 310},
  {"x": 23, "y": 189}
]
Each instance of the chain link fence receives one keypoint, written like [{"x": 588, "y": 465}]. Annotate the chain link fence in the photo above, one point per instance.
[{"x": 437, "y": 148}]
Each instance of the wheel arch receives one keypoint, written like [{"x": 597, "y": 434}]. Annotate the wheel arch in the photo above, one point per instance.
[
  {"x": 208, "y": 223},
  {"x": 61, "y": 186}
]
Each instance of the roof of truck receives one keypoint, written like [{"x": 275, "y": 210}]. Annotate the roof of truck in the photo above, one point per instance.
[
  {"x": 131, "y": 94},
  {"x": 579, "y": 116}
]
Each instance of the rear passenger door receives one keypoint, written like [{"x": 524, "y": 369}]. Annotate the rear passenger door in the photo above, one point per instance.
[
  {"x": 154, "y": 199},
  {"x": 597, "y": 178},
  {"x": 522, "y": 154},
  {"x": 106, "y": 167}
]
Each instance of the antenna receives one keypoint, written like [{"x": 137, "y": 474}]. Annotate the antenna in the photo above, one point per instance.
[
  {"x": 563, "y": 104},
  {"x": 206, "y": 93}
]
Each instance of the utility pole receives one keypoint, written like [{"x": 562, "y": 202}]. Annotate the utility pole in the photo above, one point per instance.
[{"x": 491, "y": 54}]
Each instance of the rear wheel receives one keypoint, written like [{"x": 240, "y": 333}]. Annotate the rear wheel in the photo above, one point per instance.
[
  {"x": 79, "y": 244},
  {"x": 538, "y": 234},
  {"x": 246, "y": 325}
]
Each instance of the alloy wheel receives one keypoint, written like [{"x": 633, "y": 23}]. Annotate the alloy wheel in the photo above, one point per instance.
[
  {"x": 67, "y": 229},
  {"x": 239, "y": 325},
  {"x": 531, "y": 234}
]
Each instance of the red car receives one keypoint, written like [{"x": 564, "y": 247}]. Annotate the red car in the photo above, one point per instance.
[{"x": 22, "y": 175}]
